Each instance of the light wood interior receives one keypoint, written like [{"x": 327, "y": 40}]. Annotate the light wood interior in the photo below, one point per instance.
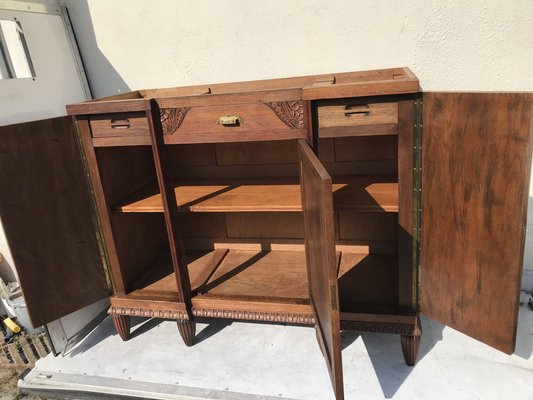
[
  {"x": 240, "y": 206},
  {"x": 367, "y": 282},
  {"x": 363, "y": 193}
]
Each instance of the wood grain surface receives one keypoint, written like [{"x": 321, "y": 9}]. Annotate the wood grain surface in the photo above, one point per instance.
[
  {"x": 47, "y": 216},
  {"x": 476, "y": 162},
  {"x": 364, "y": 193},
  {"x": 317, "y": 202}
]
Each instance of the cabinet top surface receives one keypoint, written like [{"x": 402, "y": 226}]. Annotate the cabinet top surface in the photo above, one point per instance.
[{"x": 313, "y": 87}]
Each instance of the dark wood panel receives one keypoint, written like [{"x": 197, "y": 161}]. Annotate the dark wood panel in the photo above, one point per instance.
[
  {"x": 407, "y": 280},
  {"x": 476, "y": 162},
  {"x": 170, "y": 209},
  {"x": 274, "y": 152},
  {"x": 46, "y": 212},
  {"x": 368, "y": 283},
  {"x": 368, "y": 226},
  {"x": 123, "y": 170},
  {"x": 317, "y": 206}
]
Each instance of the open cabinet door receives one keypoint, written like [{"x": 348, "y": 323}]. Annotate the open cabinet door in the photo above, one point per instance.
[
  {"x": 46, "y": 211},
  {"x": 317, "y": 206},
  {"x": 475, "y": 178}
]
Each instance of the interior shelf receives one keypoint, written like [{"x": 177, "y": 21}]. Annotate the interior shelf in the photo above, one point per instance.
[
  {"x": 270, "y": 276},
  {"x": 358, "y": 193},
  {"x": 367, "y": 282}
]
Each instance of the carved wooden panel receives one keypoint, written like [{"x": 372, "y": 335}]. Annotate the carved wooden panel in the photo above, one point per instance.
[
  {"x": 290, "y": 112},
  {"x": 171, "y": 118}
]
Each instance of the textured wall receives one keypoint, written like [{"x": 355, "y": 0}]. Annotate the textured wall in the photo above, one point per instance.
[{"x": 453, "y": 45}]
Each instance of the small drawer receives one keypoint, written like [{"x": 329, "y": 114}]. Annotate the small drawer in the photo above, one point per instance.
[
  {"x": 354, "y": 117},
  {"x": 122, "y": 124},
  {"x": 281, "y": 120}
]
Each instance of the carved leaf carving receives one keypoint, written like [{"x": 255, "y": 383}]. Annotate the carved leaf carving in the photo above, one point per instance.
[
  {"x": 290, "y": 112},
  {"x": 171, "y": 119}
]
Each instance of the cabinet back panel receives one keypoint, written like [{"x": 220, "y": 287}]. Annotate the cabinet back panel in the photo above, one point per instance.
[
  {"x": 124, "y": 170},
  {"x": 355, "y": 233},
  {"x": 359, "y": 155},
  {"x": 231, "y": 160},
  {"x": 139, "y": 239},
  {"x": 368, "y": 283}
]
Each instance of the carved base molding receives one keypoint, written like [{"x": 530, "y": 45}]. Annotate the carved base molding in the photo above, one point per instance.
[
  {"x": 304, "y": 319},
  {"x": 382, "y": 327},
  {"x": 143, "y": 312}
]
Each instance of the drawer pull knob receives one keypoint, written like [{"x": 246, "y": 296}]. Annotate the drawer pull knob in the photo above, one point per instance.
[
  {"x": 120, "y": 123},
  {"x": 363, "y": 110},
  {"x": 229, "y": 120}
]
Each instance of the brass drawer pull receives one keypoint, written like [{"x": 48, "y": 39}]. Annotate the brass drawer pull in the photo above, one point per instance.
[
  {"x": 363, "y": 110},
  {"x": 229, "y": 120},
  {"x": 120, "y": 124}
]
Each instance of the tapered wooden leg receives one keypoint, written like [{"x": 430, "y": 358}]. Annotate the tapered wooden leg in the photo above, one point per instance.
[
  {"x": 187, "y": 330},
  {"x": 410, "y": 346},
  {"x": 122, "y": 325}
]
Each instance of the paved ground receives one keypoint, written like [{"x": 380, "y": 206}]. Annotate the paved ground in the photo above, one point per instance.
[
  {"x": 8, "y": 384},
  {"x": 236, "y": 360}
]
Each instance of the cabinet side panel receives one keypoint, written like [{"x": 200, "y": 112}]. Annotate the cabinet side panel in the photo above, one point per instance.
[
  {"x": 47, "y": 215},
  {"x": 476, "y": 160}
]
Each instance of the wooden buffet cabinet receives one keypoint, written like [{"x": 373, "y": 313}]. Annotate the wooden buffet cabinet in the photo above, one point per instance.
[{"x": 320, "y": 200}]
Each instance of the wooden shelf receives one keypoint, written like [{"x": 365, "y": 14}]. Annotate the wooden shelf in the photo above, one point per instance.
[
  {"x": 358, "y": 193},
  {"x": 269, "y": 276},
  {"x": 264, "y": 276},
  {"x": 367, "y": 282}
]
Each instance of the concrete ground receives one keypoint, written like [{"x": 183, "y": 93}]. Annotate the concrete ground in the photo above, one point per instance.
[{"x": 237, "y": 360}]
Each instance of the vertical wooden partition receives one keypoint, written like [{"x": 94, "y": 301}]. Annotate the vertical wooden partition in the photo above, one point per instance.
[
  {"x": 186, "y": 328},
  {"x": 317, "y": 206}
]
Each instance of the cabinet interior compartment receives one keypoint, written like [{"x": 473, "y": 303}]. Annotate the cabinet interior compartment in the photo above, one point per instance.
[
  {"x": 140, "y": 239},
  {"x": 366, "y": 237}
]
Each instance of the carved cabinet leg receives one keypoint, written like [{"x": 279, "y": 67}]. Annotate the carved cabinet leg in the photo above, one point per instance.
[
  {"x": 122, "y": 325},
  {"x": 187, "y": 329},
  {"x": 411, "y": 344}
]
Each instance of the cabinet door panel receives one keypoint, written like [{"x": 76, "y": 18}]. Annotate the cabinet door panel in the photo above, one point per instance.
[
  {"x": 317, "y": 205},
  {"x": 46, "y": 214},
  {"x": 475, "y": 179}
]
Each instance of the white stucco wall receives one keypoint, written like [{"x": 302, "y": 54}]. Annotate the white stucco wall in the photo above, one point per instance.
[{"x": 483, "y": 45}]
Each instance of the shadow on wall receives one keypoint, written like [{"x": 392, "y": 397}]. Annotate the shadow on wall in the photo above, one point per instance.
[{"x": 104, "y": 80}]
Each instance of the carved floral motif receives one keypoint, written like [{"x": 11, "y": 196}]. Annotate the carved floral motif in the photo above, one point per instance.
[
  {"x": 290, "y": 112},
  {"x": 171, "y": 118}
]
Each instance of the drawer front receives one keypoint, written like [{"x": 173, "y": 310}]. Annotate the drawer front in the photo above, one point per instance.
[
  {"x": 119, "y": 125},
  {"x": 235, "y": 122},
  {"x": 353, "y": 117}
]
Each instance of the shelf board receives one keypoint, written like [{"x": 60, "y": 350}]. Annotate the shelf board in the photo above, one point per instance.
[
  {"x": 357, "y": 193},
  {"x": 268, "y": 276},
  {"x": 367, "y": 282},
  {"x": 263, "y": 276}
]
